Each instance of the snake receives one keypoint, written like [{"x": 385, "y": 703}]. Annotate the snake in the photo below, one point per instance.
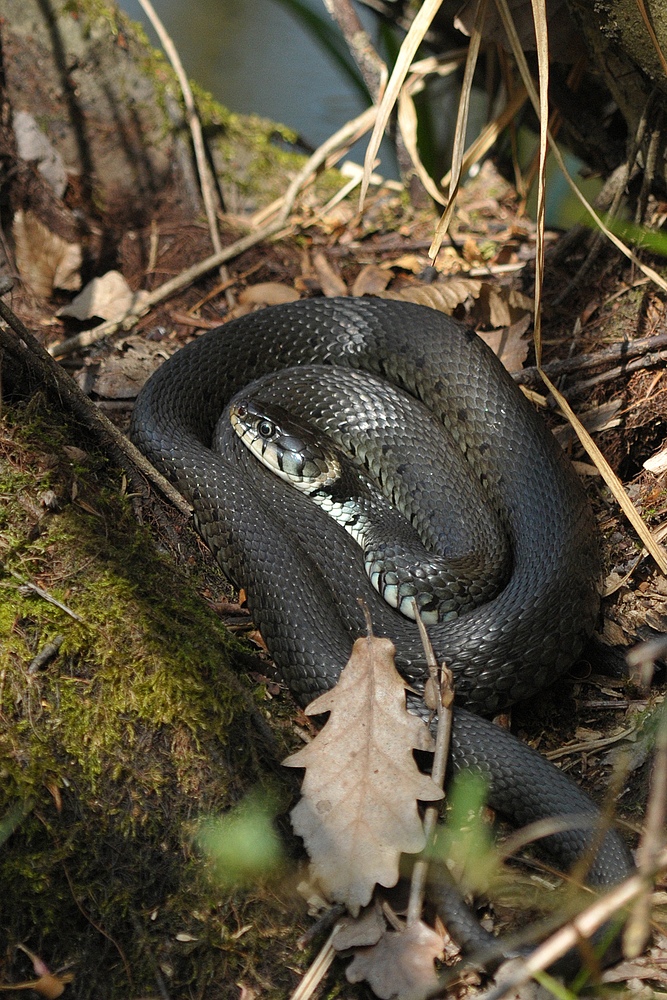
[
  {"x": 419, "y": 552},
  {"x": 303, "y": 573}
]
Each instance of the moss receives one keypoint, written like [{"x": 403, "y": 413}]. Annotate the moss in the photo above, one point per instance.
[{"x": 111, "y": 753}]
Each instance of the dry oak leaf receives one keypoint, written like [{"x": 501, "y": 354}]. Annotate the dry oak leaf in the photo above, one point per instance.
[
  {"x": 444, "y": 296},
  {"x": 44, "y": 260},
  {"x": 497, "y": 306},
  {"x": 401, "y": 964},
  {"x": 509, "y": 344},
  {"x": 358, "y": 812}
]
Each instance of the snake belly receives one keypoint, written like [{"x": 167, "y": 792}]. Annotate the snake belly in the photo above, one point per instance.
[{"x": 303, "y": 573}]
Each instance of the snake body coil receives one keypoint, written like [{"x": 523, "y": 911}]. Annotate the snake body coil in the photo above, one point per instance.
[{"x": 303, "y": 573}]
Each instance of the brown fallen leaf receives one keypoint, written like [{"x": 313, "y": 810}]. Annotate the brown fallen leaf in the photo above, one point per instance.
[
  {"x": 122, "y": 375},
  {"x": 358, "y": 811},
  {"x": 44, "y": 260},
  {"x": 105, "y": 298},
  {"x": 497, "y": 306},
  {"x": 268, "y": 293},
  {"x": 445, "y": 296},
  {"x": 371, "y": 280},
  {"x": 415, "y": 262},
  {"x": 401, "y": 964},
  {"x": 331, "y": 282},
  {"x": 510, "y": 344},
  {"x": 362, "y": 931}
]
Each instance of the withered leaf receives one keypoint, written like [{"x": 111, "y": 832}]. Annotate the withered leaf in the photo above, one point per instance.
[
  {"x": 497, "y": 305},
  {"x": 121, "y": 375},
  {"x": 105, "y": 297},
  {"x": 401, "y": 964},
  {"x": 45, "y": 260},
  {"x": 330, "y": 280},
  {"x": 268, "y": 293},
  {"x": 510, "y": 344},
  {"x": 371, "y": 280},
  {"x": 444, "y": 296},
  {"x": 358, "y": 812},
  {"x": 361, "y": 931}
]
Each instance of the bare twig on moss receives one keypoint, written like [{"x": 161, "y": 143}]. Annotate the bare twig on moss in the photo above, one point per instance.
[
  {"x": 38, "y": 368},
  {"x": 29, "y": 587},
  {"x": 48, "y": 652}
]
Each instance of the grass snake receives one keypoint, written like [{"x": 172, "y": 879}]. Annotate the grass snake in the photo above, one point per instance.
[{"x": 303, "y": 573}]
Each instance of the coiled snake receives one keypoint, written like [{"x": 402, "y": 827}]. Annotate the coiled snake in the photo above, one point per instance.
[{"x": 303, "y": 573}]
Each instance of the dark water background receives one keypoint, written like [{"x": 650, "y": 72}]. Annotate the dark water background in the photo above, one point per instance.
[{"x": 255, "y": 57}]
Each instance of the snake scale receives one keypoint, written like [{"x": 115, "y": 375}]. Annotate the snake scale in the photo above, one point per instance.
[{"x": 303, "y": 573}]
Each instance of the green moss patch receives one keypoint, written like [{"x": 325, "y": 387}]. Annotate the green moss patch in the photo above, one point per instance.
[{"x": 113, "y": 751}]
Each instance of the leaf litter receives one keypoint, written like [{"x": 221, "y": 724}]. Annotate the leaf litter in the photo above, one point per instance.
[
  {"x": 358, "y": 812},
  {"x": 474, "y": 300}
]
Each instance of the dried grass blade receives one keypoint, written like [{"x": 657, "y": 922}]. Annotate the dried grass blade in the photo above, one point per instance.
[
  {"x": 462, "y": 116},
  {"x": 411, "y": 43},
  {"x": 540, "y": 23},
  {"x": 489, "y": 135},
  {"x": 407, "y": 122},
  {"x": 587, "y": 441}
]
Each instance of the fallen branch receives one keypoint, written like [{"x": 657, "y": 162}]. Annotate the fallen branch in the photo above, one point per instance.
[
  {"x": 625, "y": 350},
  {"x": 638, "y": 364}
]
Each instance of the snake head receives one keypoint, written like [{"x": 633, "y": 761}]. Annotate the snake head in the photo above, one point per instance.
[{"x": 284, "y": 445}]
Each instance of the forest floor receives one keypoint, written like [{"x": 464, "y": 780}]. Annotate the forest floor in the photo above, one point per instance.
[{"x": 114, "y": 746}]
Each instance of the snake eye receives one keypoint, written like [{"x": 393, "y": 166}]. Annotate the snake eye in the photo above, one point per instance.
[{"x": 265, "y": 428}]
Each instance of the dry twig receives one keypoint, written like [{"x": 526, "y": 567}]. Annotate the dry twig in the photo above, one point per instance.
[
  {"x": 205, "y": 179},
  {"x": 328, "y": 153},
  {"x": 38, "y": 366}
]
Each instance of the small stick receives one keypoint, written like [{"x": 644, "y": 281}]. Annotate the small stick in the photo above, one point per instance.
[
  {"x": 26, "y": 585},
  {"x": 442, "y": 688},
  {"x": 638, "y": 364},
  {"x": 623, "y": 351},
  {"x": 46, "y": 654},
  {"x": 637, "y": 931},
  {"x": 205, "y": 181},
  {"x": 582, "y": 926}
]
